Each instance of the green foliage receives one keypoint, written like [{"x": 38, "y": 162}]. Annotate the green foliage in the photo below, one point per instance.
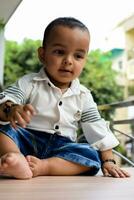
[
  {"x": 100, "y": 78},
  {"x": 20, "y": 59},
  {"x": 121, "y": 149},
  {"x": 131, "y": 90},
  {"x": 2, "y": 24}
]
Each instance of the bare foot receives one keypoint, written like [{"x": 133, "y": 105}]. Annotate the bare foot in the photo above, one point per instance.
[
  {"x": 38, "y": 167},
  {"x": 15, "y": 165}
]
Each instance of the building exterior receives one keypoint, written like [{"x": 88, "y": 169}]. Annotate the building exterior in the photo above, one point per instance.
[
  {"x": 127, "y": 26},
  {"x": 123, "y": 63},
  {"x": 118, "y": 58}
]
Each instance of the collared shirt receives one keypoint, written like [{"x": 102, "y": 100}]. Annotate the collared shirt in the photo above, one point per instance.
[{"x": 61, "y": 112}]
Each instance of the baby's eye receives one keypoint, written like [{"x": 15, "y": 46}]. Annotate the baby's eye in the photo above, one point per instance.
[
  {"x": 79, "y": 56},
  {"x": 59, "y": 52}
]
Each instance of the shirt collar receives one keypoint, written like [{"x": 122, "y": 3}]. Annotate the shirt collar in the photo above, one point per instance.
[
  {"x": 41, "y": 75},
  {"x": 73, "y": 89}
]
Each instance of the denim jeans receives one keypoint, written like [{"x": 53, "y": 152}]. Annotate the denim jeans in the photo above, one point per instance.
[{"x": 45, "y": 145}]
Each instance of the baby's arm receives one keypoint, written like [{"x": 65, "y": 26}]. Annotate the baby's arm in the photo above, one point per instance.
[
  {"x": 109, "y": 167},
  {"x": 15, "y": 113},
  {"x": 99, "y": 136}
]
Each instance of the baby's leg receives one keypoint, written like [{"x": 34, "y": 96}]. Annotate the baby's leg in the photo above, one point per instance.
[
  {"x": 12, "y": 162},
  {"x": 54, "y": 166}
]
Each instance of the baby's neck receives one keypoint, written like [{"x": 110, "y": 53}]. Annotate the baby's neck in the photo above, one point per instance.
[{"x": 63, "y": 90}]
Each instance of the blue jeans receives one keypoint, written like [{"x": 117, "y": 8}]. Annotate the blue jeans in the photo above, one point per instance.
[{"x": 45, "y": 145}]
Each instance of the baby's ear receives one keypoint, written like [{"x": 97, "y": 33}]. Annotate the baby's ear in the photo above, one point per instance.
[{"x": 41, "y": 54}]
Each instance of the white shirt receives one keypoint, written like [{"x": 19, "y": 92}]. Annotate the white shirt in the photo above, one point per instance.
[{"x": 61, "y": 112}]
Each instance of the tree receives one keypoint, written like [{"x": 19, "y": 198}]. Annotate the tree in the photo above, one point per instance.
[
  {"x": 20, "y": 59},
  {"x": 100, "y": 78}
]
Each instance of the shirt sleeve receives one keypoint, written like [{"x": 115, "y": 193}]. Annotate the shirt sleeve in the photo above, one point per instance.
[
  {"x": 95, "y": 128},
  {"x": 17, "y": 92},
  {"x": 108, "y": 142}
]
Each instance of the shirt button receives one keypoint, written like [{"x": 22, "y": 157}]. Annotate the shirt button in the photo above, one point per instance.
[
  {"x": 56, "y": 127},
  {"x": 49, "y": 84},
  {"x": 2, "y": 96},
  {"x": 60, "y": 103}
]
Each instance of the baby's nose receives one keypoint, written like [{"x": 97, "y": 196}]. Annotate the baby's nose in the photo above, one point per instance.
[{"x": 67, "y": 60}]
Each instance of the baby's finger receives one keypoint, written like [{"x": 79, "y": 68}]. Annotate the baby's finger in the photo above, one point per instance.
[
  {"x": 26, "y": 116},
  {"x": 30, "y": 109},
  {"x": 126, "y": 173},
  {"x": 20, "y": 120},
  {"x": 122, "y": 173},
  {"x": 13, "y": 123},
  {"x": 105, "y": 172},
  {"x": 114, "y": 172}
]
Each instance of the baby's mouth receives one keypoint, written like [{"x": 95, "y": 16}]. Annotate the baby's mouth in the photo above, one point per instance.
[{"x": 65, "y": 70}]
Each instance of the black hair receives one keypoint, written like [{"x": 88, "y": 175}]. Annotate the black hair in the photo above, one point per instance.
[{"x": 63, "y": 21}]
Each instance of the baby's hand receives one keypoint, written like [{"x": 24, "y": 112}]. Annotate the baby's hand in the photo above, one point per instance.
[
  {"x": 111, "y": 169},
  {"x": 21, "y": 114}
]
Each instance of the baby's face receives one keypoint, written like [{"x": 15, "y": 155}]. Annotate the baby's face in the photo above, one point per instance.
[{"x": 65, "y": 54}]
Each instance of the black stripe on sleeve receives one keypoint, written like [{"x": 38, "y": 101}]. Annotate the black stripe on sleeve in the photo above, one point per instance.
[
  {"x": 16, "y": 92},
  {"x": 90, "y": 115}
]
